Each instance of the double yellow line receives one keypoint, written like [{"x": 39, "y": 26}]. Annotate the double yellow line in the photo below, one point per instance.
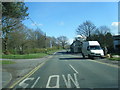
[{"x": 28, "y": 75}]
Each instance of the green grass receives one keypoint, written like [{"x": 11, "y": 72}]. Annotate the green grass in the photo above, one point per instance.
[
  {"x": 117, "y": 53},
  {"x": 6, "y": 62},
  {"x": 115, "y": 59},
  {"x": 28, "y": 56},
  {"x": 25, "y": 56}
]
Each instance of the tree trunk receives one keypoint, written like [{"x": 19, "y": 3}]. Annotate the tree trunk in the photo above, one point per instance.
[{"x": 6, "y": 44}]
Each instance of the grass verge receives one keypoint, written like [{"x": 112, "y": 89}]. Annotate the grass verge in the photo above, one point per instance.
[
  {"x": 115, "y": 59},
  {"x": 51, "y": 52},
  {"x": 26, "y": 56},
  {"x": 6, "y": 62}
]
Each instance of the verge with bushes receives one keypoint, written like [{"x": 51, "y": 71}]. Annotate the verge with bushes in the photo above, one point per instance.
[{"x": 31, "y": 53}]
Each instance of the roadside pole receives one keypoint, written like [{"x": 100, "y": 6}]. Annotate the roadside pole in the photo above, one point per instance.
[{"x": 45, "y": 44}]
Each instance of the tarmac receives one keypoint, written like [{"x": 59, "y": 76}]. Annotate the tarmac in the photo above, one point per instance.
[{"x": 12, "y": 72}]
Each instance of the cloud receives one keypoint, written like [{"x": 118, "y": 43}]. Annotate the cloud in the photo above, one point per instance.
[
  {"x": 70, "y": 41},
  {"x": 114, "y": 28},
  {"x": 115, "y": 24},
  {"x": 38, "y": 24}
]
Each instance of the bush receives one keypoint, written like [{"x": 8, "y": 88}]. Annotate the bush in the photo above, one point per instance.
[
  {"x": 39, "y": 50},
  {"x": 32, "y": 50}
]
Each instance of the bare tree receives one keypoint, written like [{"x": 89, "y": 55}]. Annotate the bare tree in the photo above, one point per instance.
[
  {"x": 63, "y": 41},
  {"x": 103, "y": 30},
  {"x": 86, "y": 29}
]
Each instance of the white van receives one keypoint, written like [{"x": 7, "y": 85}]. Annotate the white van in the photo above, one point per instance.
[{"x": 92, "y": 49}]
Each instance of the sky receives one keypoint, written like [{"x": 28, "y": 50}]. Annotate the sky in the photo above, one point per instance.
[{"x": 63, "y": 18}]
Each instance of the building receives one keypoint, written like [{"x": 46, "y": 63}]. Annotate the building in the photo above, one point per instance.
[
  {"x": 116, "y": 42},
  {"x": 75, "y": 47}
]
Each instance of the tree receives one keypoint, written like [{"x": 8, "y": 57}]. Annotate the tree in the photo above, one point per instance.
[
  {"x": 103, "y": 30},
  {"x": 14, "y": 10},
  {"x": 17, "y": 39},
  {"x": 12, "y": 14},
  {"x": 63, "y": 41},
  {"x": 109, "y": 42},
  {"x": 86, "y": 29},
  {"x": 104, "y": 40},
  {"x": 53, "y": 41}
]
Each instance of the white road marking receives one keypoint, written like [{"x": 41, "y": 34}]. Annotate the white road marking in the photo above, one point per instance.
[
  {"x": 68, "y": 82},
  {"x": 54, "y": 53},
  {"x": 35, "y": 82},
  {"x": 23, "y": 84},
  {"x": 73, "y": 68},
  {"x": 57, "y": 81}
]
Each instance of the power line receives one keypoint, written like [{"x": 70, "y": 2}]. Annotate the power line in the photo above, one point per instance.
[{"x": 35, "y": 25}]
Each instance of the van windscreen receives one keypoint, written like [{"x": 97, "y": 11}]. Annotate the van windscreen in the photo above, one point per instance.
[{"x": 95, "y": 47}]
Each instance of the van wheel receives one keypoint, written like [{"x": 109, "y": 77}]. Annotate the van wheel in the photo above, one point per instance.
[
  {"x": 83, "y": 55},
  {"x": 90, "y": 57}
]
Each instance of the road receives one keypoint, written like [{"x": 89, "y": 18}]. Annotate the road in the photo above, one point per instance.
[{"x": 64, "y": 70}]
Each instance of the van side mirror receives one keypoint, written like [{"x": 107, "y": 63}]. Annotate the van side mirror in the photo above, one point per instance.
[{"x": 88, "y": 48}]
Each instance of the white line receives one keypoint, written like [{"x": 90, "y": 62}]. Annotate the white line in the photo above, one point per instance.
[
  {"x": 73, "y": 68},
  {"x": 70, "y": 79},
  {"x": 35, "y": 82},
  {"x": 6, "y": 82},
  {"x": 54, "y": 53},
  {"x": 23, "y": 84}
]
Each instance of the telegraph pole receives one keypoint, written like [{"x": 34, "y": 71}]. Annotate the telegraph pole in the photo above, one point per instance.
[{"x": 45, "y": 44}]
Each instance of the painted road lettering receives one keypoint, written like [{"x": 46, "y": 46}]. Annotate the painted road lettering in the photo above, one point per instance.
[
  {"x": 53, "y": 81},
  {"x": 69, "y": 79},
  {"x": 57, "y": 81},
  {"x": 23, "y": 84},
  {"x": 35, "y": 82},
  {"x": 73, "y": 68}
]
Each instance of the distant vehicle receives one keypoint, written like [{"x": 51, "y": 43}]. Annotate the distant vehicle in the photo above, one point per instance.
[{"x": 92, "y": 49}]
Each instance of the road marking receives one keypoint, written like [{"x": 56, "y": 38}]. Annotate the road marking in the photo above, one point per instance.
[
  {"x": 35, "y": 82},
  {"x": 6, "y": 82},
  {"x": 54, "y": 53},
  {"x": 105, "y": 64},
  {"x": 28, "y": 75},
  {"x": 57, "y": 81},
  {"x": 73, "y": 68},
  {"x": 23, "y": 84},
  {"x": 68, "y": 82}
]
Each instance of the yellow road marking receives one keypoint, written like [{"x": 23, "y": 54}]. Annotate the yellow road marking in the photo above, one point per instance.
[
  {"x": 28, "y": 75},
  {"x": 106, "y": 64}
]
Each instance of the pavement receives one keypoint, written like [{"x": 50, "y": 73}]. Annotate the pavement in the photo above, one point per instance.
[{"x": 57, "y": 66}]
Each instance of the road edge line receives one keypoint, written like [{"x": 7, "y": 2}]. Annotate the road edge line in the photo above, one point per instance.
[{"x": 115, "y": 66}]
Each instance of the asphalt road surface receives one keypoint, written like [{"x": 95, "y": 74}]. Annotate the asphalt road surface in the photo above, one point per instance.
[{"x": 64, "y": 70}]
